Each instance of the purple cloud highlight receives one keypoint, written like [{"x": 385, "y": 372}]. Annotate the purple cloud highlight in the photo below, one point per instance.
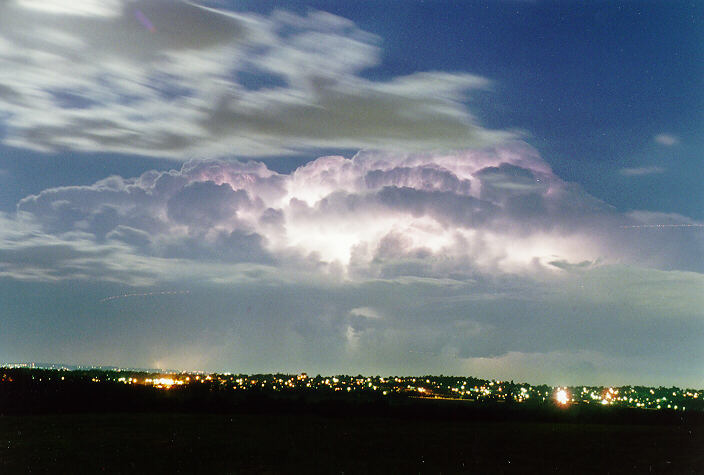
[{"x": 142, "y": 18}]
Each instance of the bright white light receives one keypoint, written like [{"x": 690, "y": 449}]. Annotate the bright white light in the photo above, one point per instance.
[
  {"x": 74, "y": 7},
  {"x": 562, "y": 397}
]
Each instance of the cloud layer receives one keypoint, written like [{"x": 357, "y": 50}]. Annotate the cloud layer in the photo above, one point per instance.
[
  {"x": 489, "y": 211},
  {"x": 174, "y": 79},
  {"x": 405, "y": 258},
  {"x": 641, "y": 171},
  {"x": 375, "y": 215},
  {"x": 472, "y": 262}
]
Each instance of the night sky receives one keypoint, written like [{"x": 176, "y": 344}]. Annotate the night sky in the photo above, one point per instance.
[{"x": 502, "y": 189}]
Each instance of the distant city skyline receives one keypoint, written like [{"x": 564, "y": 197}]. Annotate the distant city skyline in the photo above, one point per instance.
[{"x": 442, "y": 387}]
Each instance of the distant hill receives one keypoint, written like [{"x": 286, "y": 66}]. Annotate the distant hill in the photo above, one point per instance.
[{"x": 72, "y": 367}]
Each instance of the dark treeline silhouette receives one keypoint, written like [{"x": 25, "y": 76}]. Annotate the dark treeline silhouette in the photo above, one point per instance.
[{"x": 36, "y": 391}]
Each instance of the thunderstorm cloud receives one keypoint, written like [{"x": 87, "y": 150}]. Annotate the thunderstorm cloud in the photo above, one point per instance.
[
  {"x": 474, "y": 261},
  {"x": 443, "y": 246}
]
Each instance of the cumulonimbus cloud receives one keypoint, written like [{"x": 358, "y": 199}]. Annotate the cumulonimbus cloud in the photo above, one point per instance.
[
  {"x": 478, "y": 261},
  {"x": 173, "y": 79},
  {"x": 377, "y": 215},
  {"x": 397, "y": 260}
]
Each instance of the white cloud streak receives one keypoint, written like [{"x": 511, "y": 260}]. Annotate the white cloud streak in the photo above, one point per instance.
[
  {"x": 641, "y": 171},
  {"x": 173, "y": 79}
]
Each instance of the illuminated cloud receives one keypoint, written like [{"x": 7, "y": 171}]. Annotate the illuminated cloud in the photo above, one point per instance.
[
  {"x": 653, "y": 217},
  {"x": 366, "y": 312},
  {"x": 443, "y": 247},
  {"x": 98, "y": 8},
  {"x": 478, "y": 262},
  {"x": 490, "y": 211},
  {"x": 174, "y": 79}
]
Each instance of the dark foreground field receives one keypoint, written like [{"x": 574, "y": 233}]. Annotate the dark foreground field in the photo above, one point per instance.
[{"x": 273, "y": 443}]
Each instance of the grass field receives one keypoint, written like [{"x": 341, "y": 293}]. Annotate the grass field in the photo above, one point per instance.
[{"x": 211, "y": 443}]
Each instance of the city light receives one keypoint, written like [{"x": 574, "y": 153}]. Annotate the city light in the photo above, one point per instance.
[
  {"x": 562, "y": 397},
  {"x": 433, "y": 387}
]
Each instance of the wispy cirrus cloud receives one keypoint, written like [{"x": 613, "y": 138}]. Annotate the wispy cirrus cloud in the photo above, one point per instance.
[
  {"x": 173, "y": 79},
  {"x": 641, "y": 171}
]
